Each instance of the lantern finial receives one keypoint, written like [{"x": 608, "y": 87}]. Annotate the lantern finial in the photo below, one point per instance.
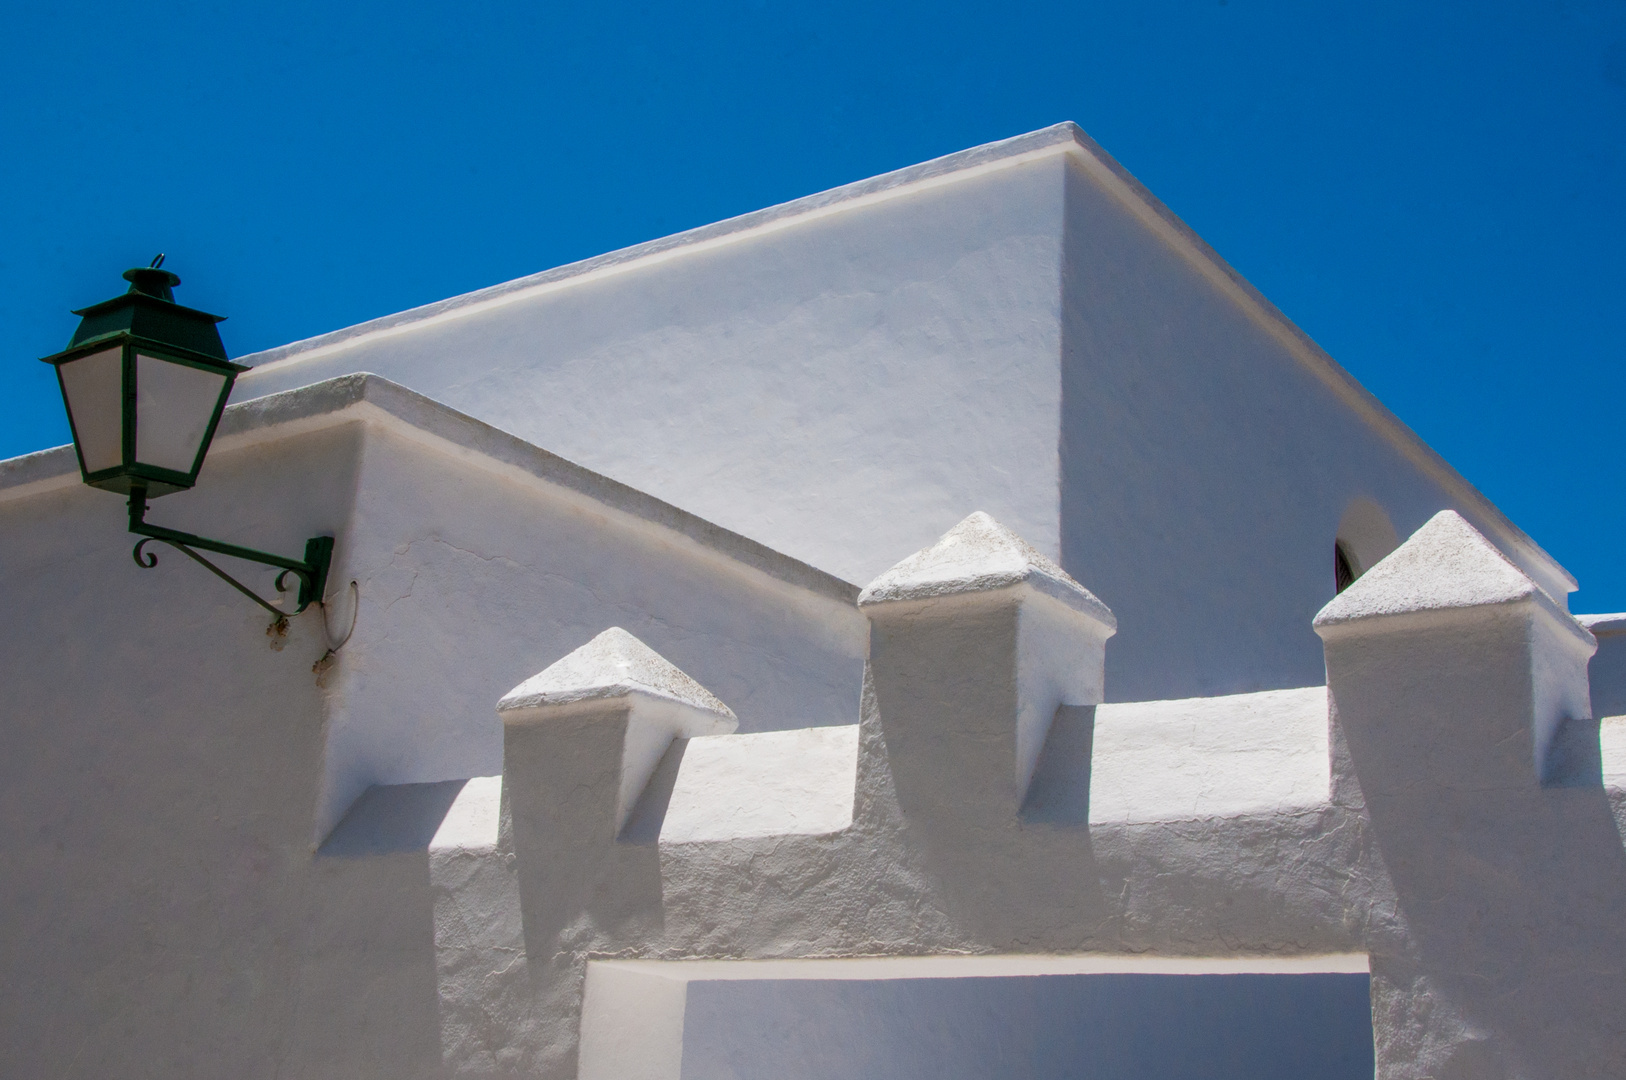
[{"x": 152, "y": 281}]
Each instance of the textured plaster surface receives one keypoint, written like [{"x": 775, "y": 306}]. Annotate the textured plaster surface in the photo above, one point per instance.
[
  {"x": 1612, "y": 751},
  {"x": 977, "y": 555},
  {"x": 1289, "y": 864},
  {"x": 1447, "y": 568},
  {"x": 1020, "y": 328},
  {"x": 452, "y": 565},
  {"x": 457, "y": 536},
  {"x": 757, "y": 384},
  {"x": 1060, "y": 627},
  {"x": 618, "y": 685},
  {"x": 1211, "y": 757},
  {"x": 168, "y": 767},
  {"x": 1506, "y": 872},
  {"x": 1206, "y": 470},
  {"x": 774, "y": 783},
  {"x": 1444, "y": 565},
  {"x": 1608, "y": 668}
]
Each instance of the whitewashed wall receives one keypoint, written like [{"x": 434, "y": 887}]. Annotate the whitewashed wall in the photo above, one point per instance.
[
  {"x": 1018, "y": 329},
  {"x": 159, "y": 765},
  {"x": 1207, "y": 468},
  {"x": 165, "y": 773},
  {"x": 824, "y": 388},
  {"x": 486, "y": 576}
]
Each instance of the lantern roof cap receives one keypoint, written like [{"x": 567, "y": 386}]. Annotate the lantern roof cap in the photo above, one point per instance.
[{"x": 148, "y": 310}]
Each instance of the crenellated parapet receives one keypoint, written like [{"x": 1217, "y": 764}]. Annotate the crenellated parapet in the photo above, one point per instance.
[{"x": 1366, "y": 867}]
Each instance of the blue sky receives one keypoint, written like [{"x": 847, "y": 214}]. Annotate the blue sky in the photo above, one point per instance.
[{"x": 1436, "y": 192}]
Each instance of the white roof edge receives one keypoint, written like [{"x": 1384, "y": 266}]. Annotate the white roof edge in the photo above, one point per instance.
[
  {"x": 379, "y": 398},
  {"x": 1066, "y": 137},
  {"x": 1058, "y": 138}
]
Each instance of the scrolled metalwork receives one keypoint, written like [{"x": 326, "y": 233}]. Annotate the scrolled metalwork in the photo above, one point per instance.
[
  {"x": 311, "y": 571},
  {"x": 304, "y": 579},
  {"x": 147, "y": 560}
]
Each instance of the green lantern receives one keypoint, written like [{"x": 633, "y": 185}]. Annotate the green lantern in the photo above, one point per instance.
[{"x": 145, "y": 381}]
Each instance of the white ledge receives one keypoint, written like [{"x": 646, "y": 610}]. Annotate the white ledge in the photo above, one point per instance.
[
  {"x": 1240, "y": 755},
  {"x": 774, "y": 783},
  {"x": 1602, "y": 626},
  {"x": 371, "y": 397}
]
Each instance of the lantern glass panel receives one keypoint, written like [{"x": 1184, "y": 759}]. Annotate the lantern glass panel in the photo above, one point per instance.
[
  {"x": 175, "y": 403},
  {"x": 94, "y": 388}
]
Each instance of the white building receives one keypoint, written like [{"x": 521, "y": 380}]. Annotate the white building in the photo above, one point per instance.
[{"x": 634, "y": 750}]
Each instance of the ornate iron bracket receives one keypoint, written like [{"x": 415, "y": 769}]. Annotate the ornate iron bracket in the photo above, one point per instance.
[{"x": 311, "y": 571}]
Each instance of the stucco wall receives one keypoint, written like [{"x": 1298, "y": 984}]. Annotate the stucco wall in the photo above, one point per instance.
[
  {"x": 1205, "y": 468},
  {"x": 159, "y": 763},
  {"x": 485, "y": 575},
  {"x": 165, "y": 773},
  {"x": 1018, "y": 329},
  {"x": 842, "y": 390},
  {"x": 165, "y": 914},
  {"x": 1608, "y": 667}
]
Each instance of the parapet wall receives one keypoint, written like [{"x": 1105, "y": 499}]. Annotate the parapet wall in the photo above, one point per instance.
[{"x": 1412, "y": 822}]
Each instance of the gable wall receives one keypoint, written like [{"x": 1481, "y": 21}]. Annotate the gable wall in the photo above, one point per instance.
[
  {"x": 1205, "y": 468},
  {"x": 843, "y": 390}
]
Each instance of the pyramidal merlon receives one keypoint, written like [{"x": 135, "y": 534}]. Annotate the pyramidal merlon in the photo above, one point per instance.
[{"x": 979, "y": 555}]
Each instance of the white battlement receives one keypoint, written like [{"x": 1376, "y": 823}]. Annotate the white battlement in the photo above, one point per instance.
[{"x": 1232, "y": 821}]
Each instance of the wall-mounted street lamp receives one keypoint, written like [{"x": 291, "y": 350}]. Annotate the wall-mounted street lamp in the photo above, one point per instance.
[{"x": 144, "y": 381}]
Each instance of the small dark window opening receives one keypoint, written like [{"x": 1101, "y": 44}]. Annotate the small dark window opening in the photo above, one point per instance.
[{"x": 1343, "y": 570}]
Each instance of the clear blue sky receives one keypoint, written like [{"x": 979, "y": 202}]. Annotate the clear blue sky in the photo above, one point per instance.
[{"x": 1435, "y": 192}]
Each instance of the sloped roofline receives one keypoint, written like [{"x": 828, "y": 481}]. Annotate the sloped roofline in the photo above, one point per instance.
[
  {"x": 1066, "y": 139},
  {"x": 365, "y": 396}
]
